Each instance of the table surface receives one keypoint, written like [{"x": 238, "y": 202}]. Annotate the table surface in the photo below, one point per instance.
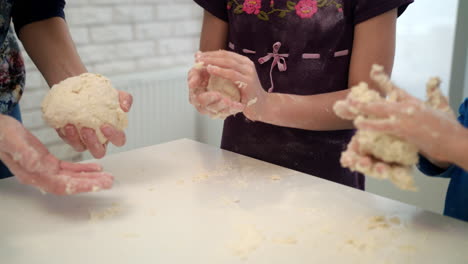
[{"x": 186, "y": 202}]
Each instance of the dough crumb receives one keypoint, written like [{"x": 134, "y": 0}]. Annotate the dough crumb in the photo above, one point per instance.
[
  {"x": 180, "y": 182},
  {"x": 252, "y": 101},
  {"x": 275, "y": 177},
  {"x": 382, "y": 222},
  {"x": 105, "y": 214},
  {"x": 87, "y": 100},
  {"x": 240, "y": 84},
  {"x": 200, "y": 177}
]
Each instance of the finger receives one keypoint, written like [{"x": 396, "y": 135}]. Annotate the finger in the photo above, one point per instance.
[
  {"x": 72, "y": 137},
  {"x": 222, "y": 54},
  {"x": 228, "y": 74},
  {"x": 74, "y": 183},
  {"x": 378, "y": 109},
  {"x": 227, "y": 63},
  {"x": 115, "y": 136},
  {"x": 92, "y": 143},
  {"x": 390, "y": 126},
  {"x": 126, "y": 101},
  {"x": 80, "y": 167}
]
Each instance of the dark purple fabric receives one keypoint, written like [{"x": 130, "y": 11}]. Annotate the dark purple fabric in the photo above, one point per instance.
[
  {"x": 28, "y": 11},
  {"x": 302, "y": 27}
]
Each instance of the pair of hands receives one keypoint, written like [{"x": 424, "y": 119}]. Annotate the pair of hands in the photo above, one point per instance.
[
  {"x": 86, "y": 138},
  {"x": 410, "y": 119},
  {"x": 235, "y": 68},
  {"x": 30, "y": 161}
]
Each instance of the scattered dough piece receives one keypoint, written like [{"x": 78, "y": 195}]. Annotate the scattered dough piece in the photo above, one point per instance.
[
  {"x": 88, "y": 100},
  {"x": 382, "y": 222},
  {"x": 200, "y": 177},
  {"x": 104, "y": 214},
  {"x": 275, "y": 177}
]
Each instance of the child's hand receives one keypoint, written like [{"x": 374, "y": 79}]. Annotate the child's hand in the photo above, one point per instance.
[
  {"x": 87, "y": 139},
  {"x": 30, "y": 161},
  {"x": 429, "y": 129},
  {"x": 240, "y": 70},
  {"x": 211, "y": 103},
  {"x": 428, "y": 125}
]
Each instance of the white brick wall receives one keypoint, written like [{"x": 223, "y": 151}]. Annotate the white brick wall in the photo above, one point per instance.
[{"x": 117, "y": 37}]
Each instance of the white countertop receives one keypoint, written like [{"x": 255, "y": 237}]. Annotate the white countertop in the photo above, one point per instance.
[{"x": 186, "y": 202}]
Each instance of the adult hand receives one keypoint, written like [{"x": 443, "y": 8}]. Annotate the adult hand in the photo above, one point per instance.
[
  {"x": 86, "y": 138},
  {"x": 30, "y": 161}
]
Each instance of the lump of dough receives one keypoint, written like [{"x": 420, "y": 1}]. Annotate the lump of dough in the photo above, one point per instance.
[
  {"x": 387, "y": 147},
  {"x": 223, "y": 86},
  {"x": 88, "y": 100}
]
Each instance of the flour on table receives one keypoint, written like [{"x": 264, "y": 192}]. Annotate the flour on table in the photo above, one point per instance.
[
  {"x": 249, "y": 239},
  {"x": 88, "y": 100},
  {"x": 286, "y": 240}
]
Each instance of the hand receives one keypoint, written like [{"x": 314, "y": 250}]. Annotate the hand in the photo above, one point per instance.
[
  {"x": 429, "y": 129},
  {"x": 86, "y": 138},
  {"x": 240, "y": 70},
  {"x": 402, "y": 115},
  {"x": 30, "y": 161}
]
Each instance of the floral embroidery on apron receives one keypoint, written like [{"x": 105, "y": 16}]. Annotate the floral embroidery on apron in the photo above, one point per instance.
[{"x": 12, "y": 73}]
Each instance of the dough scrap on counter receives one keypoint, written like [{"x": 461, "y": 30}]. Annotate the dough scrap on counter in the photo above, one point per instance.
[
  {"x": 105, "y": 214},
  {"x": 87, "y": 100}
]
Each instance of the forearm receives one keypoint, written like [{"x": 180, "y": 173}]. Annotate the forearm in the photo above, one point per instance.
[
  {"x": 214, "y": 33},
  {"x": 312, "y": 112},
  {"x": 50, "y": 46}
]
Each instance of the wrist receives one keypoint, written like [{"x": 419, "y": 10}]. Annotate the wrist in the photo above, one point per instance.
[{"x": 256, "y": 108}]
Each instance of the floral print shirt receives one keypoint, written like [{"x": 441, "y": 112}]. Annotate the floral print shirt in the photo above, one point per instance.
[
  {"x": 300, "y": 47},
  {"x": 12, "y": 73}
]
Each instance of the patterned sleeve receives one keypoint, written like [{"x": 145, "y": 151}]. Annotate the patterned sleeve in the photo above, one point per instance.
[
  {"x": 217, "y": 8},
  {"x": 28, "y": 11},
  {"x": 367, "y": 9}
]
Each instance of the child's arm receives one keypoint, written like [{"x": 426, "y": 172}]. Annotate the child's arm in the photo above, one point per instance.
[{"x": 374, "y": 42}]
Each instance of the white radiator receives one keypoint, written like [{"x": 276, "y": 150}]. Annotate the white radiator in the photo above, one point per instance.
[{"x": 161, "y": 111}]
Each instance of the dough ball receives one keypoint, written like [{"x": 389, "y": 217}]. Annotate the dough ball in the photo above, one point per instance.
[
  {"x": 221, "y": 85},
  {"x": 225, "y": 87},
  {"x": 88, "y": 100},
  {"x": 387, "y": 148}
]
